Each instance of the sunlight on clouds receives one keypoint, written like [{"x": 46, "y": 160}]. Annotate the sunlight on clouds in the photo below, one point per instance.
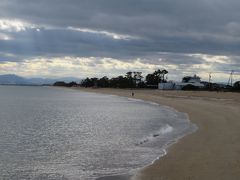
[
  {"x": 14, "y": 25},
  {"x": 106, "y": 33},
  {"x": 8, "y": 55},
  {"x": 212, "y": 58},
  {"x": 5, "y": 37},
  {"x": 8, "y": 67},
  {"x": 76, "y": 66},
  {"x": 217, "y": 76},
  {"x": 109, "y": 64},
  {"x": 218, "y": 66},
  {"x": 202, "y": 67},
  {"x": 98, "y": 67}
]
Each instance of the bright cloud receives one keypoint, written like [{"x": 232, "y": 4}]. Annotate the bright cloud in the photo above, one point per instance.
[
  {"x": 5, "y": 37},
  {"x": 106, "y": 33},
  {"x": 98, "y": 67},
  {"x": 212, "y": 58},
  {"x": 14, "y": 25},
  {"x": 75, "y": 66}
]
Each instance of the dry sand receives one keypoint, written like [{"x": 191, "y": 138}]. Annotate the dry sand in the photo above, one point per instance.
[{"x": 211, "y": 153}]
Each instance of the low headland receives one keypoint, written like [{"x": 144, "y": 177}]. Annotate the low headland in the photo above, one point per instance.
[{"x": 212, "y": 152}]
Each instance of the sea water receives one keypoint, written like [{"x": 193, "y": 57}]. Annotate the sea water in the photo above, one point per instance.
[{"x": 62, "y": 134}]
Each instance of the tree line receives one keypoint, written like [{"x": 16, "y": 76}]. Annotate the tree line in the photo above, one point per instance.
[
  {"x": 135, "y": 79},
  {"x": 131, "y": 79}
]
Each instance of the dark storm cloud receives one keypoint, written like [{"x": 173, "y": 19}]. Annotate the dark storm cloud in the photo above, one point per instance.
[
  {"x": 186, "y": 26},
  {"x": 56, "y": 42}
]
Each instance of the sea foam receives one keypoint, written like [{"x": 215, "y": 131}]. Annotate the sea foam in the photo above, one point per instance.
[{"x": 162, "y": 131}]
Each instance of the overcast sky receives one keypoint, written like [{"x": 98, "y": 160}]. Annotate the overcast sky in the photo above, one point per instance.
[{"x": 56, "y": 38}]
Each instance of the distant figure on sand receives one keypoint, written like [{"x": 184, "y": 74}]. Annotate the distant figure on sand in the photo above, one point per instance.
[{"x": 132, "y": 93}]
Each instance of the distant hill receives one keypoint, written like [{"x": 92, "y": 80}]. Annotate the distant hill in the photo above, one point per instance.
[{"x": 12, "y": 79}]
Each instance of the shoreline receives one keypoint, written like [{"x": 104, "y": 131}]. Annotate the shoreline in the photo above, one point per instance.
[
  {"x": 212, "y": 152},
  {"x": 131, "y": 176}
]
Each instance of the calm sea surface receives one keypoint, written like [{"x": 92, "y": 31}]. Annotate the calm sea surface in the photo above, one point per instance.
[{"x": 53, "y": 133}]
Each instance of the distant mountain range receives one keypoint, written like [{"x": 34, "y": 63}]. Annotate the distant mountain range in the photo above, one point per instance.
[{"x": 12, "y": 79}]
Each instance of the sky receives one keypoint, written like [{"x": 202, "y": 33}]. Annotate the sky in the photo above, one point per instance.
[{"x": 94, "y": 38}]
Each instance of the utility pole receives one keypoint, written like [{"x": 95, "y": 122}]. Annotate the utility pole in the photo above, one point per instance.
[
  {"x": 210, "y": 77},
  {"x": 230, "y": 80},
  {"x": 209, "y": 80}
]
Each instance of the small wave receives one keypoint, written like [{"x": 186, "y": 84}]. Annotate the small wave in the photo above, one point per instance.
[
  {"x": 140, "y": 100},
  {"x": 135, "y": 100},
  {"x": 153, "y": 103},
  {"x": 164, "y": 130}
]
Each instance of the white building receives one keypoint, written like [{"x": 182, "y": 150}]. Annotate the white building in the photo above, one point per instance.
[{"x": 188, "y": 80}]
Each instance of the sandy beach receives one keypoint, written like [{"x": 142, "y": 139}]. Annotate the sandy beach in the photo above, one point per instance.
[{"x": 212, "y": 152}]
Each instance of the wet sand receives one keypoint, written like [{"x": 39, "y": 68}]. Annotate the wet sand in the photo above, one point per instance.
[{"x": 212, "y": 152}]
